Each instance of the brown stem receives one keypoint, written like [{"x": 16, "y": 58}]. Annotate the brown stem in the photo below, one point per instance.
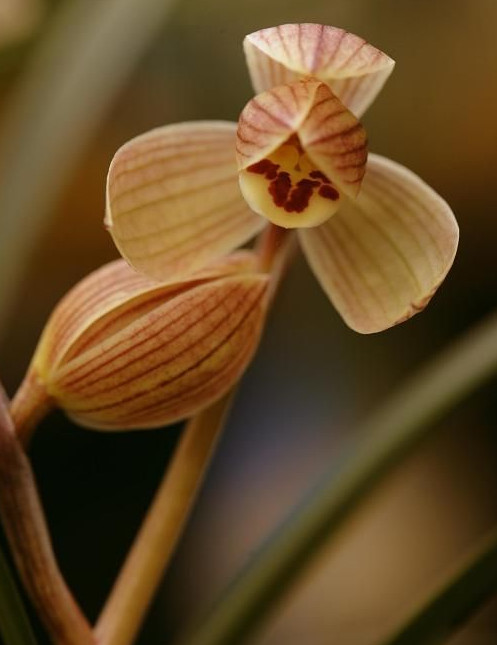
[
  {"x": 269, "y": 245},
  {"x": 28, "y": 537},
  {"x": 134, "y": 588},
  {"x": 30, "y": 404}
]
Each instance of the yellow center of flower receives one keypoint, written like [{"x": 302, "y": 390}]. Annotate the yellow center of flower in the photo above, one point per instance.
[{"x": 288, "y": 189}]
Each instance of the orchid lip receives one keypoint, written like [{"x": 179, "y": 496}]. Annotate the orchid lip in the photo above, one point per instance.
[
  {"x": 299, "y": 151},
  {"x": 289, "y": 189}
]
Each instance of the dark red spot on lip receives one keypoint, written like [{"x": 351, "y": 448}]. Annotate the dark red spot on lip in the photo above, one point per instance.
[
  {"x": 280, "y": 187},
  {"x": 317, "y": 174},
  {"x": 265, "y": 167},
  {"x": 294, "y": 199},
  {"x": 300, "y": 196},
  {"x": 328, "y": 192}
]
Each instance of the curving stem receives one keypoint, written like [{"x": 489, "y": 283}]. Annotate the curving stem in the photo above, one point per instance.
[{"x": 29, "y": 540}]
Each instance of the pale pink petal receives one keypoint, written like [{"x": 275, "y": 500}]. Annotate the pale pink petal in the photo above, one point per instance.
[
  {"x": 124, "y": 351},
  {"x": 108, "y": 298},
  {"x": 355, "y": 70},
  {"x": 381, "y": 258},
  {"x": 107, "y": 287},
  {"x": 169, "y": 362},
  {"x": 299, "y": 149},
  {"x": 173, "y": 201},
  {"x": 270, "y": 118},
  {"x": 335, "y": 141}
]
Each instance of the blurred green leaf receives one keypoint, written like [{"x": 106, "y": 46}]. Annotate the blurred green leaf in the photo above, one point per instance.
[
  {"x": 84, "y": 58},
  {"x": 455, "y": 601},
  {"x": 391, "y": 433}
]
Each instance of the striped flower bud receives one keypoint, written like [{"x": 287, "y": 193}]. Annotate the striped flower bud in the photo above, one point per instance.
[{"x": 122, "y": 351}]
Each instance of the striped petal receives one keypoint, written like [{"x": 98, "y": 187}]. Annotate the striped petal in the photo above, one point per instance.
[
  {"x": 90, "y": 307},
  {"x": 355, "y": 70},
  {"x": 299, "y": 150},
  {"x": 173, "y": 201},
  {"x": 108, "y": 287},
  {"x": 383, "y": 256},
  {"x": 150, "y": 353},
  {"x": 171, "y": 362}
]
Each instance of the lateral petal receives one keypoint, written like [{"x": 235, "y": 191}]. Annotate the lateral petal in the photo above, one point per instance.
[
  {"x": 335, "y": 141},
  {"x": 173, "y": 201},
  {"x": 270, "y": 118},
  {"x": 355, "y": 70},
  {"x": 381, "y": 258}
]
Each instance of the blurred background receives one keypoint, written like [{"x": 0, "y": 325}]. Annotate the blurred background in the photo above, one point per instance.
[{"x": 313, "y": 379}]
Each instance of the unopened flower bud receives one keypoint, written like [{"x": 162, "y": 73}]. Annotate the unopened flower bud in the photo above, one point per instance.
[{"x": 121, "y": 351}]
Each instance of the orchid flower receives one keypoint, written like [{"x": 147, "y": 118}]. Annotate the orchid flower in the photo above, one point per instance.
[{"x": 379, "y": 240}]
